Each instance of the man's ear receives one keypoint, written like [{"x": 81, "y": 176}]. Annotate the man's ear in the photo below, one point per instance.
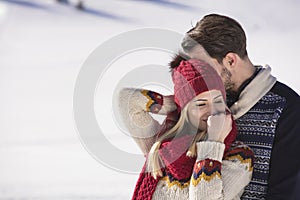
[{"x": 230, "y": 60}]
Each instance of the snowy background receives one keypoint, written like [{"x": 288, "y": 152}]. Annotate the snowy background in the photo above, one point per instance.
[{"x": 43, "y": 46}]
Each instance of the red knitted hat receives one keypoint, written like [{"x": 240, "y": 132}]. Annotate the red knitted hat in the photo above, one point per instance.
[{"x": 193, "y": 77}]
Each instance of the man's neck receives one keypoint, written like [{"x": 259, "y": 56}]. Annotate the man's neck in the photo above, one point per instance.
[{"x": 245, "y": 71}]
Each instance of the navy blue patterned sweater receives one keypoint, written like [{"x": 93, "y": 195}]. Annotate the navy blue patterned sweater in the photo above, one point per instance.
[{"x": 267, "y": 115}]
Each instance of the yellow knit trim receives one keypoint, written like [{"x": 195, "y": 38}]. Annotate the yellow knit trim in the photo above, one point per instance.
[
  {"x": 171, "y": 184},
  {"x": 205, "y": 177},
  {"x": 150, "y": 100},
  {"x": 242, "y": 160}
]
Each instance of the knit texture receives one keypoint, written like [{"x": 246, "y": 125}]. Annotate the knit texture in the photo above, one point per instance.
[
  {"x": 257, "y": 112},
  {"x": 193, "y": 77},
  {"x": 257, "y": 129},
  {"x": 176, "y": 172},
  {"x": 135, "y": 106},
  {"x": 179, "y": 170}
]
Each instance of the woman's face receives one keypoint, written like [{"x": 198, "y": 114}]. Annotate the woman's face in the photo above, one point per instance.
[{"x": 204, "y": 105}]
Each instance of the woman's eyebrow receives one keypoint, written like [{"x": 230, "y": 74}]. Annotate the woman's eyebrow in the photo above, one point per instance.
[
  {"x": 217, "y": 96},
  {"x": 200, "y": 100}
]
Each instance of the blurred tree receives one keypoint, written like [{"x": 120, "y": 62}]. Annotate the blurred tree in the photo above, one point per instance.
[
  {"x": 63, "y": 1},
  {"x": 79, "y": 5}
]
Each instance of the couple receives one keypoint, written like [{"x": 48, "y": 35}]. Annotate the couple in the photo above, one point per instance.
[{"x": 197, "y": 153}]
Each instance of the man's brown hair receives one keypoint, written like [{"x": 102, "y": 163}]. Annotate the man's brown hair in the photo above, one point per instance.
[{"x": 218, "y": 35}]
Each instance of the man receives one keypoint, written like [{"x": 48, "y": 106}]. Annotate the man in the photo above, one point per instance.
[{"x": 266, "y": 111}]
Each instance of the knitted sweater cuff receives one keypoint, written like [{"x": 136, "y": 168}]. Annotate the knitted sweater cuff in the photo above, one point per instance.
[
  {"x": 158, "y": 103},
  {"x": 211, "y": 150}
]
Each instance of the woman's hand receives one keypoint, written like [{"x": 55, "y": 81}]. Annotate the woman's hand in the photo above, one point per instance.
[
  {"x": 168, "y": 105},
  {"x": 218, "y": 127}
]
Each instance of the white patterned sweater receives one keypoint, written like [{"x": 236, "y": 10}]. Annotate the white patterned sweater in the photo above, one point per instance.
[{"x": 214, "y": 175}]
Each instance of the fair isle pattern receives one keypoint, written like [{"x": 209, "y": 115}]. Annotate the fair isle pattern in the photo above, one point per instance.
[
  {"x": 171, "y": 181},
  {"x": 206, "y": 170},
  {"x": 155, "y": 101},
  {"x": 243, "y": 155},
  {"x": 257, "y": 130},
  {"x": 164, "y": 192}
]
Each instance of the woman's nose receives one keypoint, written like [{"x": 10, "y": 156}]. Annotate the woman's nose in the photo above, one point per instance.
[
  {"x": 210, "y": 110},
  {"x": 215, "y": 110}
]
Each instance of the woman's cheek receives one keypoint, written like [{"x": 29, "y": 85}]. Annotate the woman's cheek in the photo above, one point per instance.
[{"x": 195, "y": 117}]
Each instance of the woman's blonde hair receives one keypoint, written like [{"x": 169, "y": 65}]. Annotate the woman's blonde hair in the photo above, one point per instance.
[{"x": 154, "y": 161}]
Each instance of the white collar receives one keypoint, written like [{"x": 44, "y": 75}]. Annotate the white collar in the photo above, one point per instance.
[{"x": 254, "y": 91}]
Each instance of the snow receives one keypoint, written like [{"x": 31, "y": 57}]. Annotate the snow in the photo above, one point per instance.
[{"x": 43, "y": 47}]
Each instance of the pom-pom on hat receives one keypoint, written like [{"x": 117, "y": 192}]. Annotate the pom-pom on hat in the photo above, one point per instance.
[{"x": 193, "y": 77}]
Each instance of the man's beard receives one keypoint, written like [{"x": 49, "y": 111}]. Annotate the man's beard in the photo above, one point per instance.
[
  {"x": 226, "y": 75},
  {"x": 231, "y": 95}
]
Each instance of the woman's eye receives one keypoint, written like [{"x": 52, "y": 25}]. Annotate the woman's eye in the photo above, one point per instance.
[
  {"x": 220, "y": 101},
  {"x": 202, "y": 104}
]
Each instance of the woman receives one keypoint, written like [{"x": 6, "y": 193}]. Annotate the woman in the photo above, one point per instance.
[{"x": 185, "y": 156}]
